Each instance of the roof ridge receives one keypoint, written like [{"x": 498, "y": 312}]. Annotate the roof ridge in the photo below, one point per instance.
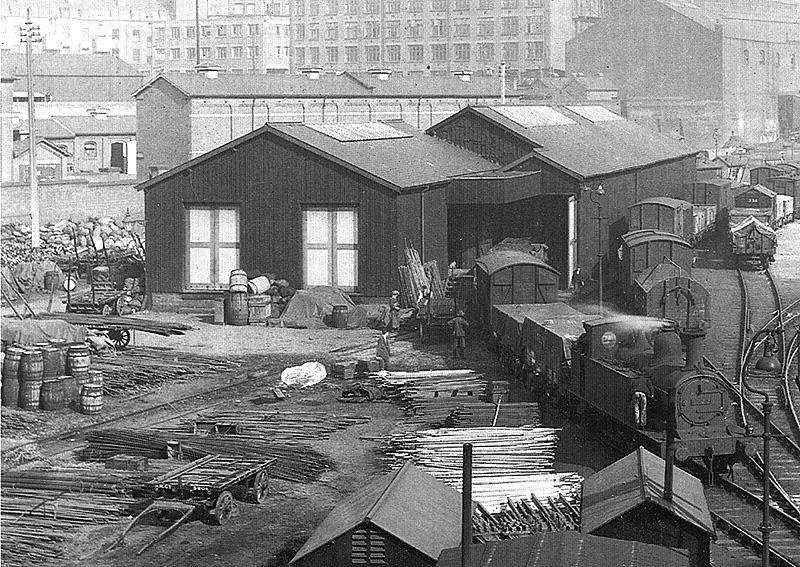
[
  {"x": 385, "y": 494},
  {"x": 54, "y": 119}
]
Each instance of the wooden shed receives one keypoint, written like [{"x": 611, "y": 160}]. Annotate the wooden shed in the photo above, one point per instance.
[
  {"x": 403, "y": 519},
  {"x": 626, "y": 501},
  {"x": 318, "y": 204},
  {"x": 642, "y": 249},
  {"x": 667, "y": 292},
  {"x": 510, "y": 276},
  {"x": 662, "y": 213}
]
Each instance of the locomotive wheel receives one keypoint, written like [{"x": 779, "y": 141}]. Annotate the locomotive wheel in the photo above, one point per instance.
[
  {"x": 258, "y": 493},
  {"x": 120, "y": 337},
  {"x": 223, "y": 509},
  {"x": 118, "y": 305}
]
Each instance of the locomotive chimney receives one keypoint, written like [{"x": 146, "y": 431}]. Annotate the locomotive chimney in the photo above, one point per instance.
[
  {"x": 670, "y": 464},
  {"x": 693, "y": 338}
]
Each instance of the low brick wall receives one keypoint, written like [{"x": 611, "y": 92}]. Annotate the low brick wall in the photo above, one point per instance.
[{"x": 77, "y": 199}]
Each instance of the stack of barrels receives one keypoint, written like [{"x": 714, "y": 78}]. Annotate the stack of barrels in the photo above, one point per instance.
[
  {"x": 51, "y": 376},
  {"x": 236, "y": 304}
]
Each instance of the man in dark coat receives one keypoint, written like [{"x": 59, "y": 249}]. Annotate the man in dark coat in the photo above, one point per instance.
[{"x": 459, "y": 326}]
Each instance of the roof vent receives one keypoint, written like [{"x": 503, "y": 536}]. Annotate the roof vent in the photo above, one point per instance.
[
  {"x": 210, "y": 70},
  {"x": 463, "y": 74},
  {"x": 381, "y": 74},
  {"x": 311, "y": 72}
]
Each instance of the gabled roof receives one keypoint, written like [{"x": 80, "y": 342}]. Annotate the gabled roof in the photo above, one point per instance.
[
  {"x": 637, "y": 479},
  {"x": 411, "y": 161},
  {"x": 565, "y": 549},
  {"x": 407, "y": 503},
  {"x": 91, "y": 126},
  {"x": 48, "y": 128},
  {"x": 758, "y": 188},
  {"x": 23, "y": 146},
  {"x": 670, "y": 202},
  {"x": 636, "y": 237},
  {"x": 496, "y": 260},
  {"x": 580, "y": 147}
]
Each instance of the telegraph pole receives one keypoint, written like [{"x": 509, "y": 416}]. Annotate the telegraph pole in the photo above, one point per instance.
[{"x": 28, "y": 34}]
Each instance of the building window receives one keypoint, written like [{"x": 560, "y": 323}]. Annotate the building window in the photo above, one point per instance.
[
  {"x": 332, "y": 32},
  {"x": 746, "y": 57},
  {"x": 332, "y": 54},
  {"x": 115, "y": 33},
  {"x": 793, "y": 61},
  {"x": 486, "y": 27},
  {"x": 461, "y": 28},
  {"x": 391, "y": 6},
  {"x": 135, "y": 34},
  {"x": 252, "y": 51},
  {"x": 416, "y": 52},
  {"x": 461, "y": 51},
  {"x": 90, "y": 150},
  {"x": 238, "y": 8},
  {"x": 237, "y": 52},
  {"x": 392, "y": 30},
  {"x": 510, "y": 51},
  {"x": 222, "y": 52},
  {"x": 510, "y": 26},
  {"x": 351, "y": 30},
  {"x": 300, "y": 55},
  {"x": 212, "y": 246},
  {"x": 372, "y": 7},
  {"x": 252, "y": 29},
  {"x": 391, "y": 53},
  {"x": 299, "y": 32},
  {"x": 299, "y": 8},
  {"x": 330, "y": 258},
  {"x": 222, "y": 31},
  {"x": 174, "y": 33},
  {"x": 205, "y": 31},
  {"x": 533, "y": 25},
  {"x": 414, "y": 28},
  {"x": 313, "y": 32},
  {"x": 333, "y": 7},
  {"x": 439, "y": 5},
  {"x": 236, "y": 30},
  {"x": 485, "y": 4},
  {"x": 351, "y": 7},
  {"x": 161, "y": 54},
  {"x": 777, "y": 58},
  {"x": 372, "y": 54},
  {"x": 485, "y": 52},
  {"x": 415, "y": 6},
  {"x": 351, "y": 54},
  {"x": 534, "y": 50},
  {"x": 251, "y": 9},
  {"x": 313, "y": 55},
  {"x": 137, "y": 54},
  {"x": 175, "y": 53},
  {"x": 372, "y": 30},
  {"x": 762, "y": 57},
  {"x": 205, "y": 52},
  {"x": 191, "y": 53},
  {"x": 368, "y": 547},
  {"x": 533, "y": 4},
  {"x": 160, "y": 34},
  {"x": 438, "y": 27},
  {"x": 508, "y": 4},
  {"x": 438, "y": 52},
  {"x": 461, "y": 5},
  {"x": 190, "y": 32},
  {"x": 313, "y": 7}
]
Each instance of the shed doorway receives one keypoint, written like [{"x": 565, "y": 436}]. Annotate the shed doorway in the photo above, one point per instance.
[
  {"x": 330, "y": 247},
  {"x": 118, "y": 157}
]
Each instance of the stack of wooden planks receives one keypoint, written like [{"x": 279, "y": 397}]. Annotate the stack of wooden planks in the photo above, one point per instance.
[
  {"x": 415, "y": 274},
  {"x": 518, "y": 518},
  {"x": 133, "y": 323}
]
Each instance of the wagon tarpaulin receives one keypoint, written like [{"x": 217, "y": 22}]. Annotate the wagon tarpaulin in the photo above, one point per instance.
[{"x": 32, "y": 331}]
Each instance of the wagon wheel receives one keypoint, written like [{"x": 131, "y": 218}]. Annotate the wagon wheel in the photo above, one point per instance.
[
  {"x": 258, "y": 492},
  {"x": 223, "y": 509},
  {"x": 118, "y": 305},
  {"x": 120, "y": 337}
]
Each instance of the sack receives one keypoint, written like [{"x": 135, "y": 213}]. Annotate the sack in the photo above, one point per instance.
[{"x": 304, "y": 375}]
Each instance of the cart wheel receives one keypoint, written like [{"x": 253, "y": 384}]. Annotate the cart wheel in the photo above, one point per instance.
[
  {"x": 118, "y": 305},
  {"x": 223, "y": 509},
  {"x": 258, "y": 493},
  {"x": 106, "y": 309},
  {"x": 120, "y": 337}
]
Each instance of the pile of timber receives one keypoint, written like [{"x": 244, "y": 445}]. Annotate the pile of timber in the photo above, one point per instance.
[
  {"x": 34, "y": 523},
  {"x": 278, "y": 425},
  {"x": 415, "y": 274},
  {"x": 518, "y": 518},
  {"x": 463, "y": 411},
  {"x": 81, "y": 480},
  {"x": 296, "y": 461},
  {"x": 133, "y": 323},
  {"x": 508, "y": 462},
  {"x": 144, "y": 368}
]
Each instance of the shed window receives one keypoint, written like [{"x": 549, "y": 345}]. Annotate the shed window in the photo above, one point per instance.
[
  {"x": 213, "y": 245},
  {"x": 330, "y": 247},
  {"x": 368, "y": 547},
  {"x": 90, "y": 149}
]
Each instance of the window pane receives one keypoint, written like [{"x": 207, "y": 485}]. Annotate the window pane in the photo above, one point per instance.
[
  {"x": 317, "y": 270},
  {"x": 346, "y": 268},
  {"x": 346, "y": 227},
  {"x": 199, "y": 225},
  {"x": 228, "y": 226},
  {"x": 199, "y": 266},
  {"x": 317, "y": 227},
  {"x": 227, "y": 260}
]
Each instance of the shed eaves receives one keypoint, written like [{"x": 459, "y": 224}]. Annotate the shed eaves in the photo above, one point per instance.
[
  {"x": 638, "y": 478},
  {"x": 407, "y": 503},
  {"x": 494, "y": 261},
  {"x": 565, "y": 549}
]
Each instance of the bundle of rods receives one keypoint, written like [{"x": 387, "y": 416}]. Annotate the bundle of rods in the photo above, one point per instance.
[
  {"x": 143, "y": 368},
  {"x": 132, "y": 323},
  {"x": 412, "y": 389},
  {"x": 75, "y": 480},
  {"x": 35, "y": 522},
  {"x": 517, "y": 518},
  {"x": 508, "y": 461},
  {"x": 469, "y": 411},
  {"x": 277, "y": 425},
  {"x": 296, "y": 462}
]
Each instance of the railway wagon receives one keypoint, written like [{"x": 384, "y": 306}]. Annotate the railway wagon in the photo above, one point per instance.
[
  {"x": 510, "y": 276},
  {"x": 787, "y": 184},
  {"x": 754, "y": 197},
  {"x": 717, "y": 192},
  {"x": 704, "y": 218},
  {"x": 507, "y": 327},
  {"x": 784, "y": 209},
  {"x": 752, "y": 240},
  {"x": 662, "y": 213},
  {"x": 642, "y": 249},
  {"x": 763, "y": 173},
  {"x": 665, "y": 291}
]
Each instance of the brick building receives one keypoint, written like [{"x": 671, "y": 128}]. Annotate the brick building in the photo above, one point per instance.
[{"x": 690, "y": 68}]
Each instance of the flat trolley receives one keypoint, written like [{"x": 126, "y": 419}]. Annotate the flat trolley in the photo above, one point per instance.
[{"x": 204, "y": 490}]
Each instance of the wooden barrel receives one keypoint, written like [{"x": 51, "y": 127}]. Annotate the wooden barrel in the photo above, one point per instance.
[
  {"x": 54, "y": 362},
  {"x": 31, "y": 366},
  {"x": 238, "y": 281},
  {"x": 340, "y": 316},
  {"x": 258, "y": 307},
  {"x": 94, "y": 377},
  {"x": 236, "y": 309},
  {"x": 29, "y": 394},
  {"x": 10, "y": 387},
  {"x": 40, "y": 346},
  {"x": 78, "y": 359},
  {"x": 259, "y": 285},
  {"x": 91, "y": 399},
  {"x": 55, "y": 394}
]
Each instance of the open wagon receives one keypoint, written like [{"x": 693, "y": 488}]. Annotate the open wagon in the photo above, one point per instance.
[
  {"x": 102, "y": 299},
  {"x": 204, "y": 490}
]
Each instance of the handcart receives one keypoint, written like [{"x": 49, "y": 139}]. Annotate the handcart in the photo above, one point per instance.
[
  {"x": 204, "y": 490},
  {"x": 102, "y": 299}
]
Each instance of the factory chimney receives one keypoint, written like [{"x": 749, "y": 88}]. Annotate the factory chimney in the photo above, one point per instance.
[{"x": 466, "y": 505}]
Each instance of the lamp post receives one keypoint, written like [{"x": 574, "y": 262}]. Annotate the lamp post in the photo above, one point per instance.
[
  {"x": 593, "y": 193},
  {"x": 767, "y": 364},
  {"x": 28, "y": 34}
]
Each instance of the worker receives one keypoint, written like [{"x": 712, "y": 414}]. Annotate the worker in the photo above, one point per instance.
[
  {"x": 424, "y": 299},
  {"x": 459, "y": 326},
  {"x": 382, "y": 350},
  {"x": 640, "y": 390},
  {"x": 394, "y": 312}
]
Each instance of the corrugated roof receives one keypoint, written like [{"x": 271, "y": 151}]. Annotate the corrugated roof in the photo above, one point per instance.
[
  {"x": 634, "y": 480},
  {"x": 528, "y": 116},
  {"x": 565, "y": 549},
  {"x": 91, "y": 126},
  {"x": 588, "y": 149},
  {"x": 670, "y": 202},
  {"x": 407, "y": 503},
  {"x": 636, "y": 237},
  {"x": 496, "y": 260}
]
